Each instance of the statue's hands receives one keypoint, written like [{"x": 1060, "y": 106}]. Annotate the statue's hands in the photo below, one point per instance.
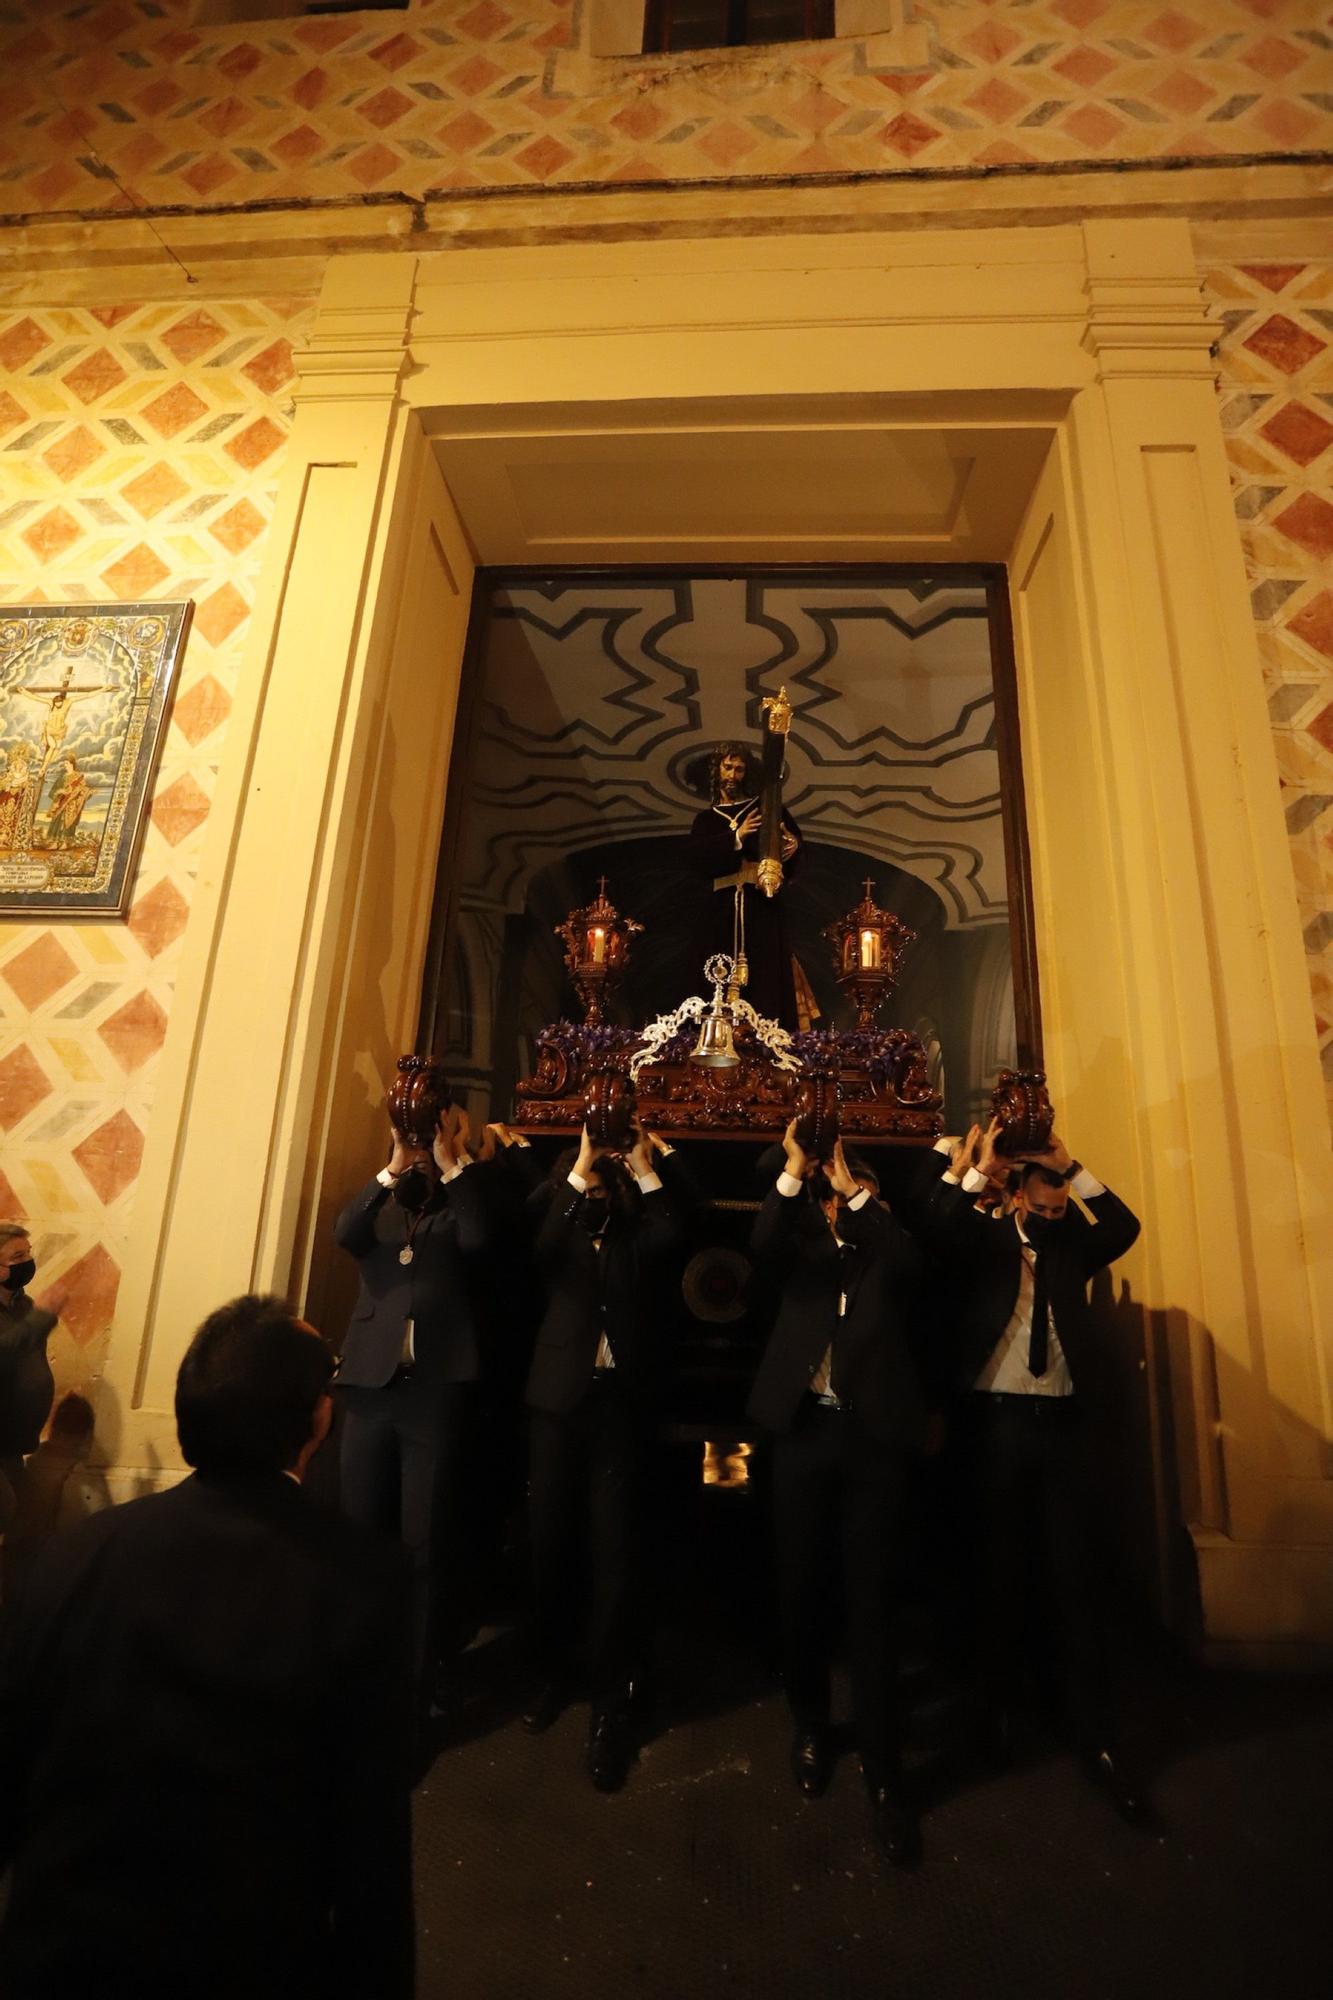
[
  {"x": 840, "y": 1174},
  {"x": 798, "y": 1160},
  {"x": 789, "y": 843},
  {"x": 583, "y": 1165},
  {"x": 964, "y": 1154},
  {"x": 752, "y": 822}
]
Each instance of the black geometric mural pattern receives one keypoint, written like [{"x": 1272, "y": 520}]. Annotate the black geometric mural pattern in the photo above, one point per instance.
[{"x": 599, "y": 700}]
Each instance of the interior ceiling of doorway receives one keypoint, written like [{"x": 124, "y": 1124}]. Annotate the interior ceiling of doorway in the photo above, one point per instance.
[
  {"x": 549, "y": 487},
  {"x": 601, "y": 696}
]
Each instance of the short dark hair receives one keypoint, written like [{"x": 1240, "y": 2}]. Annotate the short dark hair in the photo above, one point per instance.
[
  {"x": 1046, "y": 1175},
  {"x": 859, "y": 1167},
  {"x": 248, "y": 1386}
]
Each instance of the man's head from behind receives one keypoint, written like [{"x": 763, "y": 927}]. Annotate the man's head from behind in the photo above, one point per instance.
[{"x": 253, "y": 1390}]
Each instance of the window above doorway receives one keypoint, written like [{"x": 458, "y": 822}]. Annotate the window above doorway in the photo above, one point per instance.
[
  {"x": 222, "y": 13},
  {"x": 670, "y": 26},
  {"x": 615, "y": 38}
]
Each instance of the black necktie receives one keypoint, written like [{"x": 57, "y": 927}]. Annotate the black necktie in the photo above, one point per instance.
[{"x": 1039, "y": 1339}]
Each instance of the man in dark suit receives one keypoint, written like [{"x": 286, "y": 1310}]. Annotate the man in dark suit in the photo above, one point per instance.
[
  {"x": 410, "y": 1365},
  {"x": 27, "y": 1386},
  {"x": 594, "y": 1391},
  {"x": 1024, "y": 1342},
  {"x": 837, "y": 1388},
  {"x": 204, "y": 1716}
]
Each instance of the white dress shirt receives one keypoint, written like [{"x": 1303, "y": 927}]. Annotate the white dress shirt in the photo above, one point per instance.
[{"x": 1006, "y": 1372}]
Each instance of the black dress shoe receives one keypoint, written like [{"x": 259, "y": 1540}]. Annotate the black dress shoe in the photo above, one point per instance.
[
  {"x": 897, "y": 1828},
  {"x": 545, "y": 1707},
  {"x": 610, "y": 1749},
  {"x": 1123, "y": 1787},
  {"x": 811, "y": 1761}
]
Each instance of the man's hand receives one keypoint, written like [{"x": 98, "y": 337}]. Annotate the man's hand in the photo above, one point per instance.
[
  {"x": 798, "y": 1161},
  {"x": 405, "y": 1154},
  {"x": 445, "y": 1148},
  {"x": 583, "y": 1166},
  {"x": 840, "y": 1174},
  {"x": 964, "y": 1154},
  {"x": 1057, "y": 1157},
  {"x": 989, "y": 1160},
  {"x": 55, "y": 1298},
  {"x": 640, "y": 1155}
]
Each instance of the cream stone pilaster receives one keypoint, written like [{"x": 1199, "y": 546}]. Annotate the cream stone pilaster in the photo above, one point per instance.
[
  {"x": 1187, "y": 1030},
  {"x": 244, "y": 1103}
]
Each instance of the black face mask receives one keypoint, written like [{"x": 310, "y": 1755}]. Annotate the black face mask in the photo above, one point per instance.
[
  {"x": 21, "y": 1275},
  {"x": 412, "y": 1190},
  {"x": 1040, "y": 1229},
  {"x": 593, "y": 1214}
]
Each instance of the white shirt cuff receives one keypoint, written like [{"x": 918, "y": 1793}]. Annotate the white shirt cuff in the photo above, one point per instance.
[
  {"x": 788, "y": 1184},
  {"x": 974, "y": 1182},
  {"x": 452, "y": 1173},
  {"x": 858, "y": 1201},
  {"x": 577, "y": 1182},
  {"x": 950, "y": 1178},
  {"x": 385, "y": 1178},
  {"x": 943, "y": 1146},
  {"x": 1086, "y": 1185},
  {"x": 648, "y": 1183}
]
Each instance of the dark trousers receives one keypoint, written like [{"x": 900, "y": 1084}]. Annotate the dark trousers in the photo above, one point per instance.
[
  {"x": 837, "y": 1511},
  {"x": 588, "y": 1476},
  {"x": 1035, "y": 1548},
  {"x": 401, "y": 1468}
]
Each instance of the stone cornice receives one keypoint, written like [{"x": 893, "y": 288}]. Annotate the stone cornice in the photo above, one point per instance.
[{"x": 232, "y": 250}]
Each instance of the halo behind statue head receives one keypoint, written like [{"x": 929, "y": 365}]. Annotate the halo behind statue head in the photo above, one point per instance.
[{"x": 418, "y": 1096}]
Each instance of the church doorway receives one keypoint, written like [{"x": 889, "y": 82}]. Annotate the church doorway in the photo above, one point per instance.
[{"x": 591, "y": 705}]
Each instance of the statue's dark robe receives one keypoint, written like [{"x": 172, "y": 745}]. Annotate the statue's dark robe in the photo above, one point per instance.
[{"x": 713, "y": 854}]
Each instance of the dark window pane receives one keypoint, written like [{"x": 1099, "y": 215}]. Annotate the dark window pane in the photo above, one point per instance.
[{"x": 672, "y": 26}]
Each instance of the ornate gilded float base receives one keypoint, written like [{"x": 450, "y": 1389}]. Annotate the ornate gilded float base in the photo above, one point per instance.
[{"x": 883, "y": 1085}]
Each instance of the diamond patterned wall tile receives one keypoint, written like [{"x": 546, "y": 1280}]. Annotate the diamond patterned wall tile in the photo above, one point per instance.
[
  {"x": 1276, "y": 385},
  {"x": 466, "y": 97},
  {"x": 134, "y": 406}
]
